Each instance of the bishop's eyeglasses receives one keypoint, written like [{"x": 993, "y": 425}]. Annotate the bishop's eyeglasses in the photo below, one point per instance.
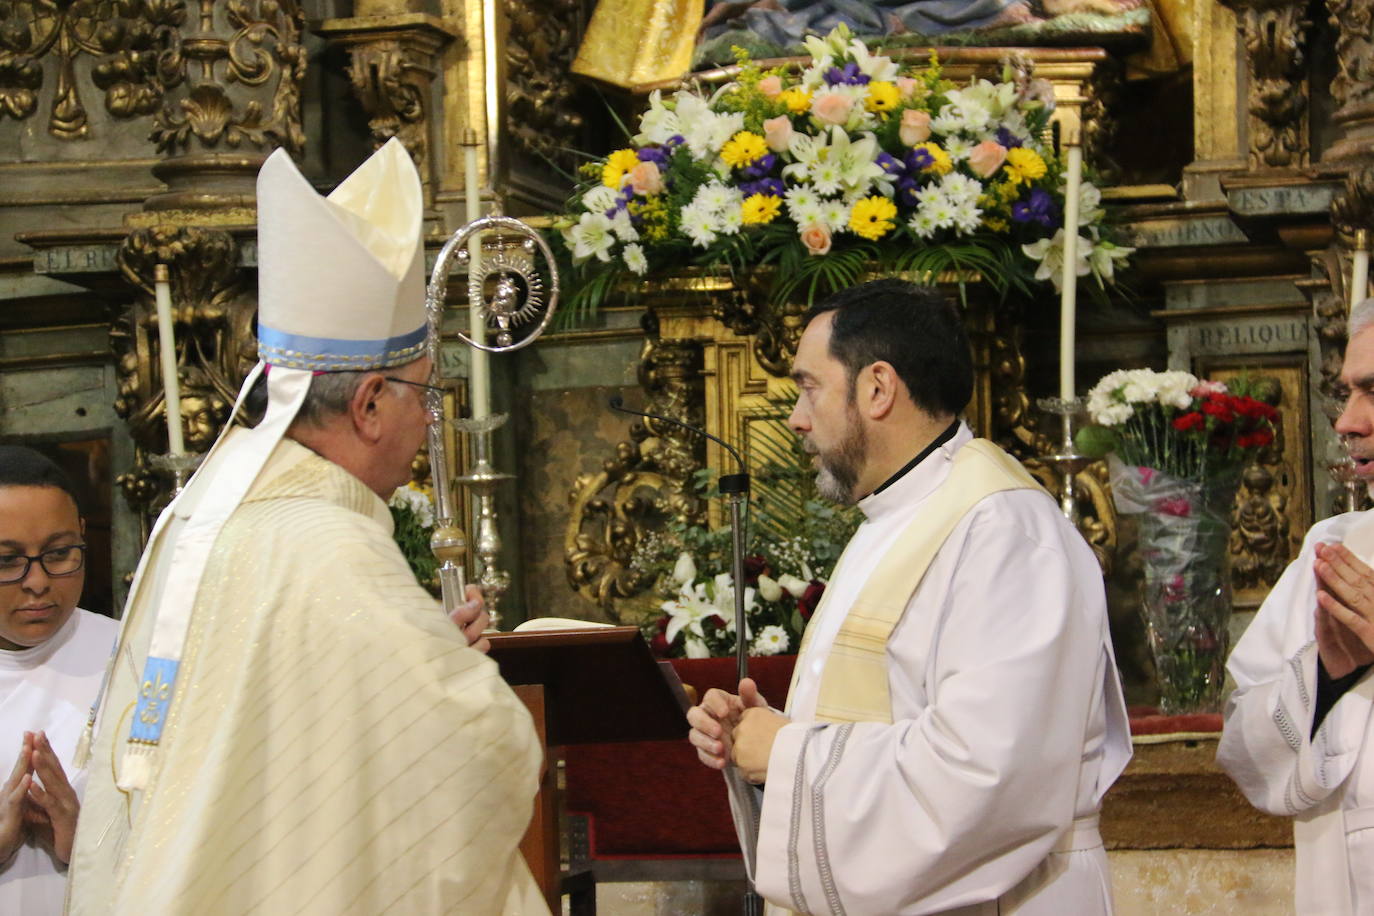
[{"x": 56, "y": 562}]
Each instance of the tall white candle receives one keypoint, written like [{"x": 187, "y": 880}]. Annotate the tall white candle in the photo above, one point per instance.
[
  {"x": 1068, "y": 293},
  {"x": 479, "y": 371},
  {"x": 167, "y": 346},
  {"x": 1359, "y": 269}
]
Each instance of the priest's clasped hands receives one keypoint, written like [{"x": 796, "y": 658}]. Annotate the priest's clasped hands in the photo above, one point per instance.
[
  {"x": 1345, "y": 610},
  {"x": 44, "y": 808},
  {"x": 735, "y": 728}
]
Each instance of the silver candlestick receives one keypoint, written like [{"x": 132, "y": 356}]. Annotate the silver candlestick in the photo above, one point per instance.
[
  {"x": 179, "y": 467},
  {"x": 1067, "y": 462},
  {"x": 1354, "y": 490},
  {"x": 482, "y": 482}
]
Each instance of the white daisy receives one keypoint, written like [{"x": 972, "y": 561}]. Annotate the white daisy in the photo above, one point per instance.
[{"x": 634, "y": 258}]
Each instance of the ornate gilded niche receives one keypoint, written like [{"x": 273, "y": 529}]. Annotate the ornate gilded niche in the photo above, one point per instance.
[{"x": 717, "y": 355}]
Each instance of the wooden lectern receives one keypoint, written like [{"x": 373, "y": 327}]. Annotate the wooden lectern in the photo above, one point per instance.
[{"x": 584, "y": 687}]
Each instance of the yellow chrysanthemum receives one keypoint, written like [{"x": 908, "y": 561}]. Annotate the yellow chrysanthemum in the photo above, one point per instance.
[
  {"x": 760, "y": 208},
  {"x": 742, "y": 149},
  {"x": 797, "y": 100},
  {"x": 996, "y": 225},
  {"x": 872, "y": 217},
  {"x": 940, "y": 163},
  {"x": 617, "y": 164},
  {"x": 882, "y": 96},
  {"x": 1024, "y": 164}
]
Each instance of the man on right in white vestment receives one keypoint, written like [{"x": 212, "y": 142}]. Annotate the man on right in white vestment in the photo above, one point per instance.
[
  {"x": 1298, "y": 735},
  {"x": 955, "y": 716}
]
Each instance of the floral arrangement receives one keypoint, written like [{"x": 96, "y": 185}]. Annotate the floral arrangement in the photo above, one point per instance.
[
  {"x": 1176, "y": 424},
  {"x": 855, "y": 159},
  {"x": 1179, "y": 446},
  {"x": 795, "y": 544},
  {"x": 412, "y": 515}
]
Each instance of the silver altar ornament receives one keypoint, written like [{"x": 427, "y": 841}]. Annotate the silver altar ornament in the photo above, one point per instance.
[{"x": 518, "y": 310}]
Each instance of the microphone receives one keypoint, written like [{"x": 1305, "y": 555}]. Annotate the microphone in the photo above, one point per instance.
[{"x": 728, "y": 483}]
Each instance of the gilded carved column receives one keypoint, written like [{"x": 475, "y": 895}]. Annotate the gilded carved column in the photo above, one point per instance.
[
  {"x": 1274, "y": 36},
  {"x": 393, "y": 59},
  {"x": 1218, "y": 118},
  {"x": 647, "y": 482},
  {"x": 41, "y": 42},
  {"x": 1353, "y": 87},
  {"x": 232, "y": 79},
  {"x": 213, "y": 318}
]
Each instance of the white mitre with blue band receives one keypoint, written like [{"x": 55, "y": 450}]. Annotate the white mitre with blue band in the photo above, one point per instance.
[
  {"x": 340, "y": 287},
  {"x": 341, "y": 278}
]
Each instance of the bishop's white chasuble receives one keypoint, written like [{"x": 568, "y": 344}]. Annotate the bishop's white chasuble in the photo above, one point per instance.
[
  {"x": 978, "y": 793},
  {"x": 332, "y": 745}
]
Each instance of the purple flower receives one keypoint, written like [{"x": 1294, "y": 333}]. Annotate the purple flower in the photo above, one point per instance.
[
  {"x": 906, "y": 192},
  {"x": 918, "y": 159},
  {"x": 657, "y": 155},
  {"x": 1008, "y": 139},
  {"x": 674, "y": 140},
  {"x": 889, "y": 163},
  {"x": 1038, "y": 208},
  {"x": 760, "y": 166},
  {"x": 848, "y": 76},
  {"x": 768, "y": 187}
]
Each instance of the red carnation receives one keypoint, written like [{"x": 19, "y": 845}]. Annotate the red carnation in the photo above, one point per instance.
[
  {"x": 810, "y": 599},
  {"x": 1191, "y": 420},
  {"x": 1216, "y": 407},
  {"x": 754, "y": 567}
]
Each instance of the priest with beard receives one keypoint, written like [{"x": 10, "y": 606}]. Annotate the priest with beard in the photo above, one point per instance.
[{"x": 955, "y": 715}]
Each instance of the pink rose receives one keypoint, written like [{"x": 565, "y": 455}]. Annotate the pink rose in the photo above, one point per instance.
[
  {"x": 987, "y": 157},
  {"x": 646, "y": 179},
  {"x": 771, "y": 86},
  {"x": 906, "y": 86},
  {"x": 915, "y": 126},
  {"x": 832, "y": 107},
  {"x": 777, "y": 133},
  {"x": 816, "y": 238}
]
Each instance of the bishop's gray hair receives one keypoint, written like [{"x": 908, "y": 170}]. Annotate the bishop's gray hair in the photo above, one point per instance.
[
  {"x": 1361, "y": 317},
  {"x": 329, "y": 395}
]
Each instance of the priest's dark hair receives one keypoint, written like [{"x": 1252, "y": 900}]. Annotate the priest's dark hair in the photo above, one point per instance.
[
  {"x": 21, "y": 466},
  {"x": 916, "y": 329}
]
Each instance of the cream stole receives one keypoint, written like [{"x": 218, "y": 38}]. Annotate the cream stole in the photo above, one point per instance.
[{"x": 854, "y": 685}]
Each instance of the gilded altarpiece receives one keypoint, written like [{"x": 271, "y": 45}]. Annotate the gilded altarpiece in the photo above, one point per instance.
[{"x": 715, "y": 357}]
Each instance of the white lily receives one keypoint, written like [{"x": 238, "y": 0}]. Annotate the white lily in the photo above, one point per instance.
[
  {"x": 658, "y": 123},
  {"x": 1104, "y": 257},
  {"x": 876, "y": 66},
  {"x": 769, "y": 588},
  {"x": 792, "y": 585},
  {"x": 591, "y": 237},
  {"x": 1050, "y": 254}
]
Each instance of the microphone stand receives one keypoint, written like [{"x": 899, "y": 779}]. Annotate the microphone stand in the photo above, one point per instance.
[{"x": 735, "y": 488}]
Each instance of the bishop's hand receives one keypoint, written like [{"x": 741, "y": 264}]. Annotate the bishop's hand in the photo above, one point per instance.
[{"x": 472, "y": 618}]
